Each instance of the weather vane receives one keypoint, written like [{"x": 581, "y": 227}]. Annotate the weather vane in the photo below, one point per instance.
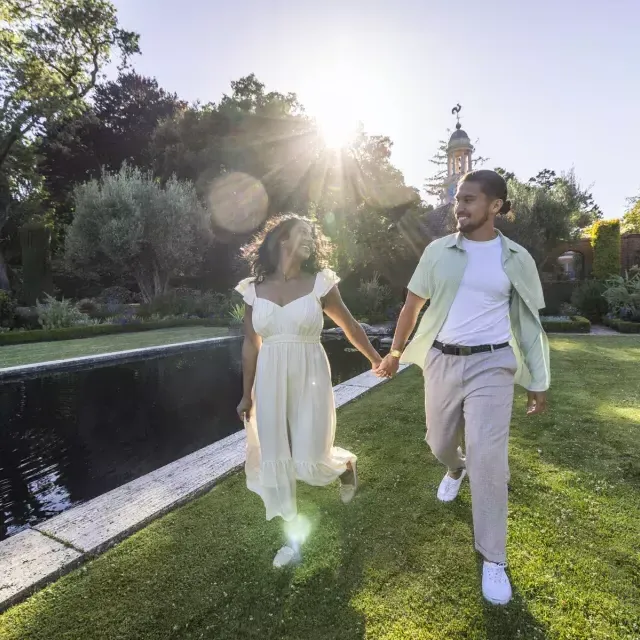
[{"x": 456, "y": 111}]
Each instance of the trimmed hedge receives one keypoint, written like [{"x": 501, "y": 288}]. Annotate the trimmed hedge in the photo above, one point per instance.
[
  {"x": 576, "y": 324},
  {"x": 622, "y": 326},
  {"x": 90, "y": 331},
  {"x": 606, "y": 243}
]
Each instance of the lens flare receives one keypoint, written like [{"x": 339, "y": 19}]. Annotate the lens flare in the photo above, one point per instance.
[
  {"x": 238, "y": 202},
  {"x": 297, "y": 531}
]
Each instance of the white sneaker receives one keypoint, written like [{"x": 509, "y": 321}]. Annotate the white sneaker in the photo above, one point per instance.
[
  {"x": 449, "y": 487},
  {"x": 285, "y": 556},
  {"x": 349, "y": 484},
  {"x": 496, "y": 587}
]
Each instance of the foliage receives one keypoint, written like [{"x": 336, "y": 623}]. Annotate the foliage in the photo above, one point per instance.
[
  {"x": 631, "y": 219},
  {"x": 116, "y": 128},
  {"x": 59, "y": 314},
  {"x": 116, "y": 295},
  {"x": 544, "y": 213},
  {"x": 138, "y": 227},
  {"x": 370, "y": 301},
  {"x": 188, "y": 302},
  {"x": 623, "y": 326},
  {"x": 7, "y": 310},
  {"x": 37, "y": 279},
  {"x": 52, "y": 51},
  {"x": 622, "y": 294},
  {"x": 605, "y": 240},
  {"x": 237, "y": 314},
  {"x": 87, "y": 331},
  {"x": 588, "y": 299}
]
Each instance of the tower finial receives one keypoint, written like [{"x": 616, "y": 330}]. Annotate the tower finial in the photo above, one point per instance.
[{"x": 456, "y": 111}]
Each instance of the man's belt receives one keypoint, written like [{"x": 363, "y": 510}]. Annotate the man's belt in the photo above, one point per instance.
[{"x": 458, "y": 350}]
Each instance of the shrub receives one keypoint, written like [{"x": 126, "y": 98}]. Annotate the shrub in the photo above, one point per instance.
[
  {"x": 371, "y": 301},
  {"x": 588, "y": 299},
  {"x": 7, "y": 310},
  {"x": 87, "y": 331},
  {"x": 88, "y": 306},
  {"x": 59, "y": 314},
  {"x": 237, "y": 314},
  {"x": 605, "y": 240},
  {"x": 574, "y": 324},
  {"x": 117, "y": 295},
  {"x": 188, "y": 302},
  {"x": 623, "y": 295}
]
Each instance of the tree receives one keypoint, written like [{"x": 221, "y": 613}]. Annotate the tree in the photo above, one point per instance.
[
  {"x": 631, "y": 219},
  {"x": 541, "y": 216},
  {"x": 580, "y": 199},
  {"x": 51, "y": 52},
  {"x": 117, "y": 128},
  {"x": 129, "y": 222}
]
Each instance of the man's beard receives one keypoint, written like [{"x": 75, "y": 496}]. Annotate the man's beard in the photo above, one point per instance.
[{"x": 470, "y": 227}]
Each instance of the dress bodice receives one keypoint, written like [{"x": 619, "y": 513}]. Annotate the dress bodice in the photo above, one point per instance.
[{"x": 301, "y": 317}]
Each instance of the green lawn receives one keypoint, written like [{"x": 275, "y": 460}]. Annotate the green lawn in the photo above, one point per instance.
[
  {"x": 17, "y": 354},
  {"x": 396, "y": 563}
]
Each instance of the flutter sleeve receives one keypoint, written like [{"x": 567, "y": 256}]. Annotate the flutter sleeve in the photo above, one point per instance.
[
  {"x": 247, "y": 289},
  {"x": 325, "y": 281}
]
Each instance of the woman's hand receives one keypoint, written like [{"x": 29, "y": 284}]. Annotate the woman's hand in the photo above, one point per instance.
[
  {"x": 376, "y": 362},
  {"x": 244, "y": 408}
]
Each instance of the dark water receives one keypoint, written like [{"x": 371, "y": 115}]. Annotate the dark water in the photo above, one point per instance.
[{"x": 68, "y": 437}]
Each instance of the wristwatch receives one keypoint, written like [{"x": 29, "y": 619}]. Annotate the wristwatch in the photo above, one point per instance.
[{"x": 394, "y": 353}]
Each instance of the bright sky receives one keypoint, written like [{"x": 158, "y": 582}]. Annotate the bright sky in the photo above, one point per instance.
[{"x": 545, "y": 84}]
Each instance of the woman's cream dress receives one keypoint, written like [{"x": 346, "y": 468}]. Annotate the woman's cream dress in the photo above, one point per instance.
[{"x": 291, "y": 431}]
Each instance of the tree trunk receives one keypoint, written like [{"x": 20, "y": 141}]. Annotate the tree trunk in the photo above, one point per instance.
[{"x": 5, "y": 285}]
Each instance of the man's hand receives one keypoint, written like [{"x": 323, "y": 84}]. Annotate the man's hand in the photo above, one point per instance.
[
  {"x": 388, "y": 367},
  {"x": 537, "y": 402}
]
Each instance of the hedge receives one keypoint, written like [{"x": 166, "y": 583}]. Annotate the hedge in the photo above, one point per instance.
[
  {"x": 576, "y": 324},
  {"x": 605, "y": 240},
  {"x": 622, "y": 326},
  {"x": 72, "y": 333}
]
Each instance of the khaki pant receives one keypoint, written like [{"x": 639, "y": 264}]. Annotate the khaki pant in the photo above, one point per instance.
[{"x": 472, "y": 397}]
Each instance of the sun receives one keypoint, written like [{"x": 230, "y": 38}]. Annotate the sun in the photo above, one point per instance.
[{"x": 337, "y": 129}]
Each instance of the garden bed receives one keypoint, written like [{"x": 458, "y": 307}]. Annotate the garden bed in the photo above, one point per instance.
[{"x": 566, "y": 324}]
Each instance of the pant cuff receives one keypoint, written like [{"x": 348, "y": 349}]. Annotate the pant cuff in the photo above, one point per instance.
[{"x": 491, "y": 557}]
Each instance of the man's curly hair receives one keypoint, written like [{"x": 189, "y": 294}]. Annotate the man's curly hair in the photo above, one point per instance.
[{"x": 263, "y": 252}]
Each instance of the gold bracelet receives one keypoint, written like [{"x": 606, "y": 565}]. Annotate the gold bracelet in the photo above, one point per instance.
[{"x": 394, "y": 353}]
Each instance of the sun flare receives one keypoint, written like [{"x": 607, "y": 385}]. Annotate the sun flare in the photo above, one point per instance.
[{"x": 337, "y": 129}]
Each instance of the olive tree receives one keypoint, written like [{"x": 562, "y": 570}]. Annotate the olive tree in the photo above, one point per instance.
[{"x": 133, "y": 225}]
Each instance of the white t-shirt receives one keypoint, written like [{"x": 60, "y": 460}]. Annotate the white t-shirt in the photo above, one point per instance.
[{"x": 480, "y": 312}]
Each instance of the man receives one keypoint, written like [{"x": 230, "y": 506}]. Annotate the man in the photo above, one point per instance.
[{"x": 480, "y": 334}]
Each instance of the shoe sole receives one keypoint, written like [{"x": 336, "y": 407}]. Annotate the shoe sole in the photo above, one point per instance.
[{"x": 499, "y": 603}]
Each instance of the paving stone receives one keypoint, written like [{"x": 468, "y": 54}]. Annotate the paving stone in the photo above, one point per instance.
[{"x": 28, "y": 561}]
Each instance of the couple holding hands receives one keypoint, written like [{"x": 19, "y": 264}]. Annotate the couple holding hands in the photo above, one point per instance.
[{"x": 480, "y": 335}]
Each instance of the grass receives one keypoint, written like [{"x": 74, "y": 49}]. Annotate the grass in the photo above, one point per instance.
[
  {"x": 395, "y": 564},
  {"x": 13, "y": 355}
]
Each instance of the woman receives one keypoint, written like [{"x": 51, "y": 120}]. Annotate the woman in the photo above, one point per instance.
[{"x": 288, "y": 405}]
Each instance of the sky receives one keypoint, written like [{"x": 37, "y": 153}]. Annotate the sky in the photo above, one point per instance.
[{"x": 545, "y": 84}]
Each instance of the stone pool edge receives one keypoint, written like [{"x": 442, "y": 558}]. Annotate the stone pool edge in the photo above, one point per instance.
[
  {"x": 79, "y": 362},
  {"x": 34, "y": 558}
]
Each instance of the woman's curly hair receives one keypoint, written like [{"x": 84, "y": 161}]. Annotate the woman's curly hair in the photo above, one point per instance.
[{"x": 263, "y": 252}]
